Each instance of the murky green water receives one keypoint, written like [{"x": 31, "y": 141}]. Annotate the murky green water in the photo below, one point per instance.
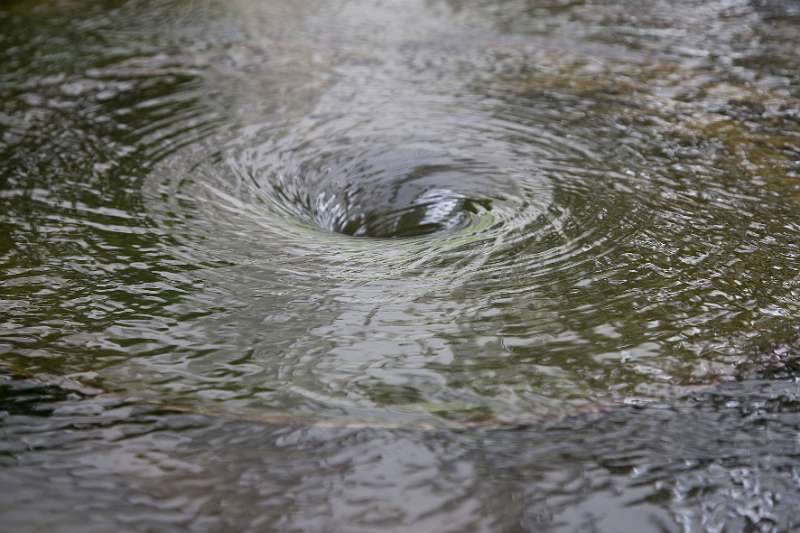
[{"x": 430, "y": 265}]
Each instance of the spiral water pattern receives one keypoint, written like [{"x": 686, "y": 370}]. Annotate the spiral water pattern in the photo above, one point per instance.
[{"x": 423, "y": 265}]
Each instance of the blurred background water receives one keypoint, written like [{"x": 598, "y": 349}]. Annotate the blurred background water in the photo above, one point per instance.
[{"x": 430, "y": 265}]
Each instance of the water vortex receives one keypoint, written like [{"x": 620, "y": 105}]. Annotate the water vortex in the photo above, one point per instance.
[{"x": 303, "y": 265}]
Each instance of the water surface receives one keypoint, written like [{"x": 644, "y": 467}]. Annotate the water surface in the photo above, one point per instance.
[{"x": 431, "y": 265}]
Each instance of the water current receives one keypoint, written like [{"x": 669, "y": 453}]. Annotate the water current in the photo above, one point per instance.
[{"x": 419, "y": 265}]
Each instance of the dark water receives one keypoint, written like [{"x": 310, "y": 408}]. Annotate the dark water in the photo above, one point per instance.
[{"x": 407, "y": 266}]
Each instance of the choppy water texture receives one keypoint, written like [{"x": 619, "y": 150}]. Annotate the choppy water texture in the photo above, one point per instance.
[{"x": 431, "y": 265}]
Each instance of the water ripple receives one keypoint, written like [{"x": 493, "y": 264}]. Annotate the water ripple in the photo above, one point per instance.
[{"x": 455, "y": 217}]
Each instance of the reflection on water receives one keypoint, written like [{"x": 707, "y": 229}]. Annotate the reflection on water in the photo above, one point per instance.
[
  {"x": 102, "y": 464},
  {"x": 432, "y": 265}
]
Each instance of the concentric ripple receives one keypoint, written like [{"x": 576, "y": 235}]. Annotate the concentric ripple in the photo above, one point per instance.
[
  {"x": 376, "y": 170},
  {"x": 533, "y": 242},
  {"x": 434, "y": 217},
  {"x": 346, "y": 214}
]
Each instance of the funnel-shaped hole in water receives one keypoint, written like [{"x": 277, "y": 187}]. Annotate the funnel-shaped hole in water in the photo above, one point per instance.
[{"x": 431, "y": 212}]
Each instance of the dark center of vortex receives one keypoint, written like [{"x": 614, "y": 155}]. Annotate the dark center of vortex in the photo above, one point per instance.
[
  {"x": 394, "y": 193},
  {"x": 431, "y": 212}
]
